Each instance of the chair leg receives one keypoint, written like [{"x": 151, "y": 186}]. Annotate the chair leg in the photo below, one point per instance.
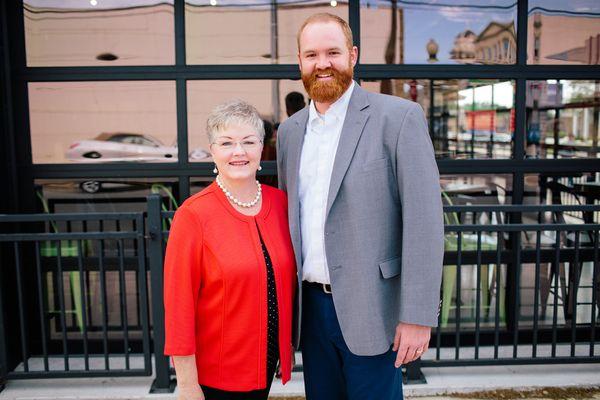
[{"x": 448, "y": 281}]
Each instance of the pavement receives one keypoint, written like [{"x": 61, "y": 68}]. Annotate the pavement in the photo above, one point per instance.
[{"x": 576, "y": 381}]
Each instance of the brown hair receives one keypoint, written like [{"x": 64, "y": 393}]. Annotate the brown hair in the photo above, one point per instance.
[{"x": 327, "y": 17}]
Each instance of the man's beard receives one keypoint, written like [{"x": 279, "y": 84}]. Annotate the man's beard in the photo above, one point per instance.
[{"x": 327, "y": 91}]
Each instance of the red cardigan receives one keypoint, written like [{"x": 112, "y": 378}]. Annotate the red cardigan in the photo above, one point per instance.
[{"x": 215, "y": 288}]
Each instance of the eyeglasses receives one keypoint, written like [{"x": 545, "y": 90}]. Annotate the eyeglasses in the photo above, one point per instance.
[{"x": 247, "y": 144}]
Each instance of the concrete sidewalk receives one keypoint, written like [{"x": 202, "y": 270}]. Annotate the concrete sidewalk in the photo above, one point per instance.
[{"x": 441, "y": 383}]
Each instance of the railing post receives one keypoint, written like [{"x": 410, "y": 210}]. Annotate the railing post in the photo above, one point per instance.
[
  {"x": 3, "y": 356},
  {"x": 162, "y": 383},
  {"x": 414, "y": 375}
]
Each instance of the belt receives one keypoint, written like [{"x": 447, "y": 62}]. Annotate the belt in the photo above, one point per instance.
[{"x": 324, "y": 287}]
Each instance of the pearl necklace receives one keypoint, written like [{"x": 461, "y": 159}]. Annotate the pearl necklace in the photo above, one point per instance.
[{"x": 236, "y": 201}]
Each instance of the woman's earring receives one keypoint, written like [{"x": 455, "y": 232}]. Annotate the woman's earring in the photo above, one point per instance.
[
  {"x": 259, "y": 167},
  {"x": 215, "y": 170}
]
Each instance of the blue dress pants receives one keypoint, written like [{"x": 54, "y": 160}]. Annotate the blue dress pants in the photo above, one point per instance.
[{"x": 331, "y": 371}]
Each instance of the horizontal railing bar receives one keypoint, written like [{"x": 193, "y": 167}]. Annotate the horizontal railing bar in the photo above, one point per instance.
[
  {"x": 521, "y": 227},
  {"x": 521, "y": 208},
  {"x": 69, "y": 217},
  {"x": 469, "y": 257},
  {"x": 508, "y": 361},
  {"x": 69, "y": 263},
  {"x": 32, "y": 237},
  {"x": 79, "y": 374}
]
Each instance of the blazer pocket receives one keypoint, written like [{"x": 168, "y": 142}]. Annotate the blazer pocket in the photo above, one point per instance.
[
  {"x": 390, "y": 268},
  {"x": 376, "y": 164}
]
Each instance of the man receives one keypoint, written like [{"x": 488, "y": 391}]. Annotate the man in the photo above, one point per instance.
[
  {"x": 294, "y": 102},
  {"x": 365, "y": 220}
]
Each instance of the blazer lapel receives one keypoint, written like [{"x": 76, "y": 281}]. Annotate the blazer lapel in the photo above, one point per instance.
[{"x": 356, "y": 118}]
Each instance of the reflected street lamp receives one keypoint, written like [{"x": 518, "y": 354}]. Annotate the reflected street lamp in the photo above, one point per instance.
[{"x": 432, "y": 49}]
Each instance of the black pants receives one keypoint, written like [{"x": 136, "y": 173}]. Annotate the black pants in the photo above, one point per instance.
[{"x": 216, "y": 394}]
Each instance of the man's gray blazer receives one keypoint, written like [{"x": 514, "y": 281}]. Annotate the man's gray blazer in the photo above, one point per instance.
[{"x": 384, "y": 235}]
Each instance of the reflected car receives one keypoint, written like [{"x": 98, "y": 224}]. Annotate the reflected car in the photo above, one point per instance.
[{"x": 111, "y": 147}]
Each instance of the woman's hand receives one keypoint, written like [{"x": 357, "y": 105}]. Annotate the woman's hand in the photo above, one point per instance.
[
  {"x": 187, "y": 378},
  {"x": 190, "y": 393}
]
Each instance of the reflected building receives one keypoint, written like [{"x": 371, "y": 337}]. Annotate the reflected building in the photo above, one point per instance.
[
  {"x": 563, "y": 39},
  {"x": 496, "y": 44},
  {"x": 464, "y": 47}
]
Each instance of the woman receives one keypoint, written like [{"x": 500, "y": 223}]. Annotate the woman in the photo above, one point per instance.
[{"x": 230, "y": 274}]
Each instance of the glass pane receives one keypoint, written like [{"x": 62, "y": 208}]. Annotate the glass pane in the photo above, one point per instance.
[
  {"x": 455, "y": 32},
  {"x": 563, "y": 32},
  {"x": 87, "y": 195},
  {"x": 268, "y": 96},
  {"x": 470, "y": 118},
  {"x": 95, "y": 122},
  {"x": 85, "y": 33},
  {"x": 242, "y": 32},
  {"x": 461, "y": 190},
  {"x": 563, "y": 119},
  {"x": 560, "y": 189}
]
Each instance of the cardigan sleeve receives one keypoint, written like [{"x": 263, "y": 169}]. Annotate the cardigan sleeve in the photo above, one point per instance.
[{"x": 182, "y": 283}]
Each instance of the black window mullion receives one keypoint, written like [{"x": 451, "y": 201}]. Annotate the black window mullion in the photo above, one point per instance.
[
  {"x": 179, "y": 14},
  {"x": 354, "y": 21},
  {"x": 522, "y": 10},
  {"x": 182, "y": 125},
  {"x": 184, "y": 188}
]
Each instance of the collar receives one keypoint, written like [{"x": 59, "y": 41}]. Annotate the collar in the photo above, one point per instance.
[{"x": 337, "y": 109}]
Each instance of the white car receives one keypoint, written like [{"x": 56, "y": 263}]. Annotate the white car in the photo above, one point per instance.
[{"x": 108, "y": 147}]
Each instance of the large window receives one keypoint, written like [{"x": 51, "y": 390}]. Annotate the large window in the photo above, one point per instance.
[
  {"x": 248, "y": 32},
  {"x": 449, "y": 32},
  {"x": 98, "y": 122},
  {"x": 563, "y": 32},
  {"x": 177, "y": 59},
  {"x": 86, "y": 33}
]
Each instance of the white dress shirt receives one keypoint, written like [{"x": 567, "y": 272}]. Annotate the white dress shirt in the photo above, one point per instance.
[{"x": 316, "y": 164}]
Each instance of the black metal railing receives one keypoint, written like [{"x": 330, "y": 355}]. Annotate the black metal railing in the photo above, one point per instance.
[
  {"x": 541, "y": 262},
  {"x": 520, "y": 286},
  {"x": 73, "y": 304}
]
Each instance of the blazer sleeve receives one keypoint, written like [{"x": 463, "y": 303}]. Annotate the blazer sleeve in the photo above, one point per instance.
[
  {"x": 422, "y": 221},
  {"x": 182, "y": 283}
]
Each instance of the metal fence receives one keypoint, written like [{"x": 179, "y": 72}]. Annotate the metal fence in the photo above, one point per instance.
[
  {"x": 520, "y": 286},
  {"x": 80, "y": 295}
]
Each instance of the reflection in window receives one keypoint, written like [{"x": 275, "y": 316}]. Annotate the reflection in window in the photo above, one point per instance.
[
  {"x": 274, "y": 100},
  {"x": 458, "y": 31},
  {"x": 243, "y": 32},
  {"x": 90, "y": 122},
  {"x": 563, "y": 32},
  {"x": 88, "y": 195},
  {"x": 67, "y": 33},
  {"x": 563, "y": 118},
  {"x": 471, "y": 118}
]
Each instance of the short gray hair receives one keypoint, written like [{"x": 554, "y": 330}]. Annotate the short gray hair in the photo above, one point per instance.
[{"x": 234, "y": 112}]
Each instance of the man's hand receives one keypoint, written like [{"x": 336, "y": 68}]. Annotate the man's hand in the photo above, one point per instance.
[{"x": 411, "y": 342}]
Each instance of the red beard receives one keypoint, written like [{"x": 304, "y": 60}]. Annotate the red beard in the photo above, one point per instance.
[{"x": 329, "y": 91}]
